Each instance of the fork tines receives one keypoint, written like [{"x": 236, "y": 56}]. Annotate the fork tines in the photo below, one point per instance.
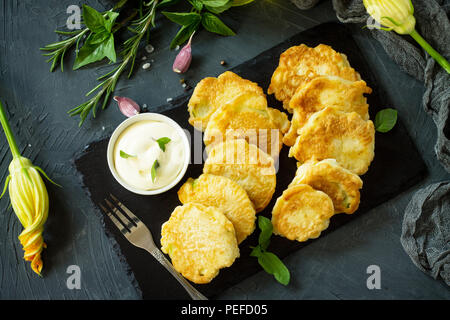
[{"x": 121, "y": 216}]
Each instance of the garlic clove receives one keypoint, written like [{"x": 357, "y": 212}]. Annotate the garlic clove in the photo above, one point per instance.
[
  {"x": 127, "y": 106},
  {"x": 184, "y": 58}
]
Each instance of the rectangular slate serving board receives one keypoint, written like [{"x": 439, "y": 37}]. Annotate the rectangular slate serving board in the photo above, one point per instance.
[{"x": 397, "y": 167}]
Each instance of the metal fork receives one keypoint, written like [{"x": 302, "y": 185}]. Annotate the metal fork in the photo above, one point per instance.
[{"x": 138, "y": 234}]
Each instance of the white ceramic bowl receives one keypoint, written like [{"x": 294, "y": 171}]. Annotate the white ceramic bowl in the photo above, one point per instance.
[{"x": 155, "y": 117}]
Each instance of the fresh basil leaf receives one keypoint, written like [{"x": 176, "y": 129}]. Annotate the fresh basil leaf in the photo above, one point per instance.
[
  {"x": 218, "y": 10},
  {"x": 215, "y": 3},
  {"x": 166, "y": 3},
  {"x": 162, "y": 142},
  {"x": 153, "y": 171},
  {"x": 256, "y": 252},
  {"x": 108, "y": 23},
  {"x": 213, "y": 24},
  {"x": 197, "y": 4},
  {"x": 237, "y": 3},
  {"x": 266, "y": 232},
  {"x": 125, "y": 155},
  {"x": 109, "y": 50},
  {"x": 385, "y": 120},
  {"x": 273, "y": 265},
  {"x": 96, "y": 38},
  {"x": 183, "y": 34},
  {"x": 182, "y": 18},
  {"x": 93, "y": 19},
  {"x": 95, "y": 52},
  {"x": 88, "y": 53}
]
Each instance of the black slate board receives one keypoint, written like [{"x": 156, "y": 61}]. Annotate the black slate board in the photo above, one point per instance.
[{"x": 397, "y": 167}]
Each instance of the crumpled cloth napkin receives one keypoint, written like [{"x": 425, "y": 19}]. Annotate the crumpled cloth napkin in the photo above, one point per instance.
[
  {"x": 426, "y": 224},
  {"x": 425, "y": 232}
]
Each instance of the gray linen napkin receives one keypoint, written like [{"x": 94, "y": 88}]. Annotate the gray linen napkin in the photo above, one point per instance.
[
  {"x": 426, "y": 224},
  {"x": 426, "y": 230}
]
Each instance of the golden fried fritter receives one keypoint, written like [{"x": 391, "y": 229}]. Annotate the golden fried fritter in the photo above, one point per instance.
[
  {"x": 212, "y": 93},
  {"x": 200, "y": 241},
  {"x": 340, "y": 184},
  {"x": 224, "y": 194},
  {"x": 248, "y": 119},
  {"x": 326, "y": 91},
  {"x": 301, "y": 213},
  {"x": 333, "y": 134},
  {"x": 247, "y": 165},
  {"x": 300, "y": 64},
  {"x": 280, "y": 119}
]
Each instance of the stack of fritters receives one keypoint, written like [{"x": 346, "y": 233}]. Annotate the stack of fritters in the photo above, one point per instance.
[
  {"x": 229, "y": 107},
  {"x": 243, "y": 136},
  {"x": 330, "y": 136}
]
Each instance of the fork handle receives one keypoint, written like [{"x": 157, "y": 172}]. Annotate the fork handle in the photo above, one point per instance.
[{"x": 195, "y": 295}]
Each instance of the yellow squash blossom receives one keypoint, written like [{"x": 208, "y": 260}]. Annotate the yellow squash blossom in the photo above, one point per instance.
[
  {"x": 398, "y": 15},
  {"x": 29, "y": 199}
]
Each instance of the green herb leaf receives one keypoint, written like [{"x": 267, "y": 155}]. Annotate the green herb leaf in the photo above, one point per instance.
[
  {"x": 385, "y": 120},
  {"x": 220, "y": 9},
  {"x": 183, "y": 34},
  {"x": 182, "y": 18},
  {"x": 162, "y": 142},
  {"x": 237, "y": 3},
  {"x": 197, "y": 4},
  {"x": 266, "y": 232},
  {"x": 98, "y": 37},
  {"x": 215, "y": 3},
  {"x": 93, "y": 19},
  {"x": 92, "y": 52},
  {"x": 273, "y": 265},
  {"x": 166, "y": 3},
  {"x": 108, "y": 23},
  {"x": 256, "y": 252},
  {"x": 125, "y": 155},
  {"x": 109, "y": 50},
  {"x": 213, "y": 24},
  {"x": 153, "y": 171}
]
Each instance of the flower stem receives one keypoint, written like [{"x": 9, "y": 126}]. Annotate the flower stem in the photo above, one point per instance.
[
  {"x": 8, "y": 133},
  {"x": 436, "y": 56}
]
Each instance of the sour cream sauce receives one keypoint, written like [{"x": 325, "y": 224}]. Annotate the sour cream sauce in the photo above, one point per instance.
[{"x": 139, "y": 141}]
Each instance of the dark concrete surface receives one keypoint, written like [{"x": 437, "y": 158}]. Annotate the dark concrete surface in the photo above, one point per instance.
[{"x": 333, "y": 267}]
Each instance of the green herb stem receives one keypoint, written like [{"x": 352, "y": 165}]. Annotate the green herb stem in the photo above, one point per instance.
[
  {"x": 436, "y": 56},
  {"x": 129, "y": 52},
  {"x": 8, "y": 133}
]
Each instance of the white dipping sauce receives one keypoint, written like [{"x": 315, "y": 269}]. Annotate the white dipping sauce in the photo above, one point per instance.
[{"x": 139, "y": 141}]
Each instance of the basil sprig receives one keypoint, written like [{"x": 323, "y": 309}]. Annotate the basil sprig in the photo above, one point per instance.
[
  {"x": 204, "y": 13},
  {"x": 153, "y": 170},
  {"x": 269, "y": 261},
  {"x": 385, "y": 120},
  {"x": 100, "y": 42},
  {"x": 125, "y": 155},
  {"x": 162, "y": 143}
]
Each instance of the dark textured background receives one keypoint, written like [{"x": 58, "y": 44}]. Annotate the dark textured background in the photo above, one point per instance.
[{"x": 333, "y": 267}]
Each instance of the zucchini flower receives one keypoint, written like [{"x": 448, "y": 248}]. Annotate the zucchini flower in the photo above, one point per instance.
[
  {"x": 29, "y": 199},
  {"x": 398, "y": 15}
]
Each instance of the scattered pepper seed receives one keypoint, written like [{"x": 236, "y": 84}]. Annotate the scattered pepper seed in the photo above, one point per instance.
[
  {"x": 144, "y": 58},
  {"x": 169, "y": 99},
  {"x": 184, "y": 85},
  {"x": 146, "y": 66},
  {"x": 223, "y": 62},
  {"x": 177, "y": 48}
]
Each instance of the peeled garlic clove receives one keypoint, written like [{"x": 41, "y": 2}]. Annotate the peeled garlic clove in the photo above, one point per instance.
[
  {"x": 183, "y": 59},
  {"x": 127, "y": 106}
]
